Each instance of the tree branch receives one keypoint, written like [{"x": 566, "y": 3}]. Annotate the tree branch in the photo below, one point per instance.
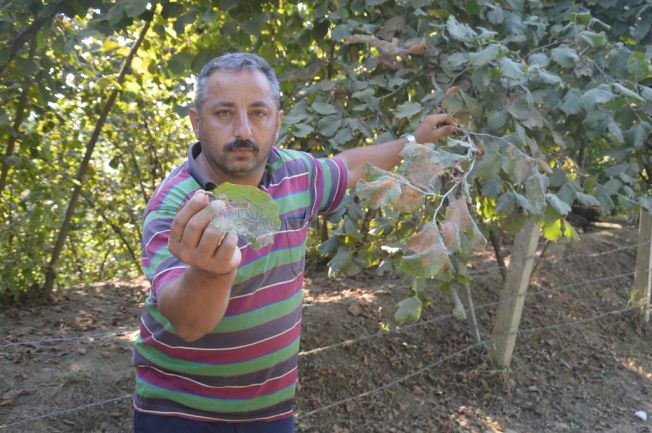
[{"x": 50, "y": 274}]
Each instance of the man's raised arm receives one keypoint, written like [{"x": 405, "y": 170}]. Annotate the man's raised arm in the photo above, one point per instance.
[{"x": 386, "y": 155}]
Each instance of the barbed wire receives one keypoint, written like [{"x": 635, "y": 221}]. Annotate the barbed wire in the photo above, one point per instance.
[
  {"x": 386, "y": 386},
  {"x": 556, "y": 259},
  {"x": 353, "y": 340},
  {"x": 392, "y": 383},
  {"x": 440, "y": 361},
  {"x": 121, "y": 330},
  {"x": 64, "y": 412}
]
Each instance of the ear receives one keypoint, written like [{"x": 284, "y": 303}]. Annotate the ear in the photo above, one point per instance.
[
  {"x": 279, "y": 122},
  {"x": 193, "y": 114}
]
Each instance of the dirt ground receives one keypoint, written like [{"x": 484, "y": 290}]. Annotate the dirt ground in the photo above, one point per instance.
[{"x": 588, "y": 370}]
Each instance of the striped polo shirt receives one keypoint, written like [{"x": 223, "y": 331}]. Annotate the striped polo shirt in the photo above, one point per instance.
[{"x": 245, "y": 369}]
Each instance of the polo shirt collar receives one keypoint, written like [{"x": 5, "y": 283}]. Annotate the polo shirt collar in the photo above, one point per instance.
[{"x": 208, "y": 184}]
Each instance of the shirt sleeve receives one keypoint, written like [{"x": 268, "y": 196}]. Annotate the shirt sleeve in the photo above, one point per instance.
[
  {"x": 159, "y": 264},
  {"x": 330, "y": 180}
]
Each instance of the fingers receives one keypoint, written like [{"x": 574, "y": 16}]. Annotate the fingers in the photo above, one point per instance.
[
  {"x": 196, "y": 203},
  {"x": 439, "y": 119},
  {"x": 434, "y": 127},
  {"x": 445, "y": 131},
  {"x": 198, "y": 243}
]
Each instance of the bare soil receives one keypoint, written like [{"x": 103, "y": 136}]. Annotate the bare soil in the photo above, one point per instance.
[{"x": 587, "y": 370}]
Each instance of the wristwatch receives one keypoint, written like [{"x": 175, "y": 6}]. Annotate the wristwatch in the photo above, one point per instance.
[{"x": 410, "y": 138}]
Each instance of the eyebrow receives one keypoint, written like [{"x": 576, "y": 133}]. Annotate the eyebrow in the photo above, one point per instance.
[{"x": 227, "y": 104}]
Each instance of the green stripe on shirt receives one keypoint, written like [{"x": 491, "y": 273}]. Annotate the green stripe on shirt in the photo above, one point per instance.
[{"x": 168, "y": 363}]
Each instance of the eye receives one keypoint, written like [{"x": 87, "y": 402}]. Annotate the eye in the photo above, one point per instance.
[
  {"x": 259, "y": 114},
  {"x": 222, "y": 114}
]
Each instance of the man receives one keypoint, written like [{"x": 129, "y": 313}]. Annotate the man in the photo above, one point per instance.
[{"x": 220, "y": 331}]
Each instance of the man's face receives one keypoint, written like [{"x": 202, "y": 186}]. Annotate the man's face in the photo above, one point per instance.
[{"x": 237, "y": 125}]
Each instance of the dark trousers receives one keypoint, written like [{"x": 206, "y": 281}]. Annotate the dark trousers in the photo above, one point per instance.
[{"x": 147, "y": 423}]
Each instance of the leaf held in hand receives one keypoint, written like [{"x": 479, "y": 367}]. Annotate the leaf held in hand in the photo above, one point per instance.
[{"x": 246, "y": 211}]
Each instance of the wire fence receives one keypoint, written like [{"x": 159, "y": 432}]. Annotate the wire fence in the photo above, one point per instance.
[
  {"x": 552, "y": 260},
  {"x": 348, "y": 342}
]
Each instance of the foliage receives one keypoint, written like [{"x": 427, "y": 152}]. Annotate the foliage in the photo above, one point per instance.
[{"x": 555, "y": 97}]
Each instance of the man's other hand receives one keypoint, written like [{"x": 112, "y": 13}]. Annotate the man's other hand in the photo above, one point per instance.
[{"x": 433, "y": 127}]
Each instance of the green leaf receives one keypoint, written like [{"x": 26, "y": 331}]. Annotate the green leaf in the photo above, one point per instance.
[
  {"x": 586, "y": 199},
  {"x": 461, "y": 32},
  {"x": 323, "y": 108},
  {"x": 327, "y": 247},
  {"x": 597, "y": 95},
  {"x": 520, "y": 169},
  {"x": 539, "y": 59},
  {"x": 638, "y": 66},
  {"x": 329, "y": 125},
  {"x": 535, "y": 187},
  {"x": 572, "y": 103},
  {"x": 407, "y": 110},
  {"x": 564, "y": 56},
  {"x": 615, "y": 131},
  {"x": 133, "y": 8},
  {"x": 511, "y": 69},
  {"x": 246, "y": 211},
  {"x": 458, "y": 308},
  {"x": 484, "y": 56},
  {"x": 646, "y": 92},
  {"x": 638, "y": 134},
  {"x": 497, "y": 120},
  {"x": 301, "y": 130},
  {"x": 557, "y": 204},
  {"x": 596, "y": 40},
  {"x": 487, "y": 167},
  {"x": 506, "y": 204},
  {"x": 619, "y": 88},
  {"x": 344, "y": 262},
  {"x": 115, "y": 14},
  {"x": 340, "y": 32},
  {"x": 408, "y": 310},
  {"x": 545, "y": 76}
]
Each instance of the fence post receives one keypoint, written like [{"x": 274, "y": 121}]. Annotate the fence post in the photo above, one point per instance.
[
  {"x": 512, "y": 296},
  {"x": 643, "y": 278}
]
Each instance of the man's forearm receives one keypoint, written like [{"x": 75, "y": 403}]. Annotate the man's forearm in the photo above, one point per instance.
[
  {"x": 195, "y": 302},
  {"x": 384, "y": 155}
]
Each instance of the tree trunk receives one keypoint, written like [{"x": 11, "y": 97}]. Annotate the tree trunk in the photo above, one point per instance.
[
  {"x": 18, "y": 42},
  {"x": 50, "y": 273},
  {"x": 115, "y": 227},
  {"x": 18, "y": 120},
  {"x": 495, "y": 243}
]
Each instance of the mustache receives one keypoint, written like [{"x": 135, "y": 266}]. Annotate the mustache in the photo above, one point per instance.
[{"x": 242, "y": 144}]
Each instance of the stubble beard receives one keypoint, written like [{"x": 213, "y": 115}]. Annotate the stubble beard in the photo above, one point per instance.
[{"x": 237, "y": 166}]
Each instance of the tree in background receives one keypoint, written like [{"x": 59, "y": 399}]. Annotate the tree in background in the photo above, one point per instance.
[{"x": 555, "y": 96}]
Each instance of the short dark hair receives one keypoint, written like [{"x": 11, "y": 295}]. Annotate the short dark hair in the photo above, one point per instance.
[{"x": 236, "y": 62}]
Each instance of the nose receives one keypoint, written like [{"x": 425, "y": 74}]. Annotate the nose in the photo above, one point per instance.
[{"x": 242, "y": 127}]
